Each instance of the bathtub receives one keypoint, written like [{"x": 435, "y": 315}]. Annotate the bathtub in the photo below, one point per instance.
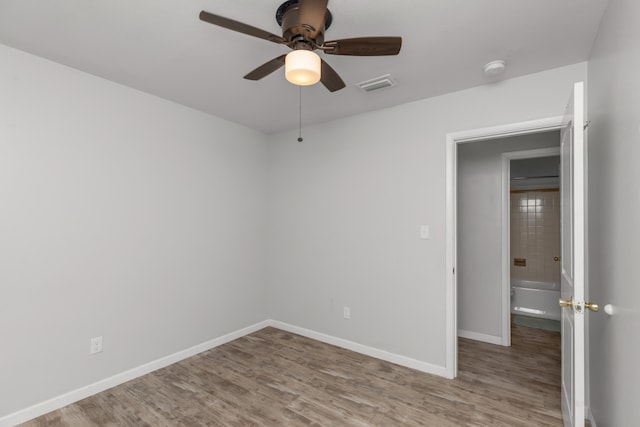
[{"x": 535, "y": 299}]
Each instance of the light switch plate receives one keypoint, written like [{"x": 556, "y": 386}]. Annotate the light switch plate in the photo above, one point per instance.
[{"x": 425, "y": 232}]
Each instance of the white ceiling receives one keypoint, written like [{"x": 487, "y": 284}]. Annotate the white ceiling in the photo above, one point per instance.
[{"x": 161, "y": 47}]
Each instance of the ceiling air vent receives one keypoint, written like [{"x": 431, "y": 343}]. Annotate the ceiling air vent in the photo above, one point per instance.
[{"x": 377, "y": 83}]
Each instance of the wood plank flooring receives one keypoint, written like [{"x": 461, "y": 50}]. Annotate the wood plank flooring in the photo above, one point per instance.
[{"x": 275, "y": 378}]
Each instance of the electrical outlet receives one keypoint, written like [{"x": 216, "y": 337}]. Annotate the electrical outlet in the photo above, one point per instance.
[
  {"x": 96, "y": 345},
  {"x": 346, "y": 312}
]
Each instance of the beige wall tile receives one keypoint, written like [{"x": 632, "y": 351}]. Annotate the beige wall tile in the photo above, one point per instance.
[{"x": 535, "y": 235}]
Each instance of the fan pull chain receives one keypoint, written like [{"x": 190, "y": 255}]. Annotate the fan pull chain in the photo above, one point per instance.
[{"x": 300, "y": 116}]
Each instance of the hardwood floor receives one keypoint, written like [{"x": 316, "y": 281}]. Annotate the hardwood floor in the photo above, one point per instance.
[{"x": 275, "y": 378}]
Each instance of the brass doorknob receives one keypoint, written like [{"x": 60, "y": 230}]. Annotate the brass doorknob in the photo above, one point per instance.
[
  {"x": 556, "y": 258},
  {"x": 565, "y": 302},
  {"x": 591, "y": 306}
]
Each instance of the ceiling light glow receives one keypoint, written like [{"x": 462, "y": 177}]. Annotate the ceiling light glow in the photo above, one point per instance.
[{"x": 302, "y": 67}]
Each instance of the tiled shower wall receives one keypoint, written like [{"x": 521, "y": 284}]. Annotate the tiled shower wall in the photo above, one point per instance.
[{"x": 535, "y": 235}]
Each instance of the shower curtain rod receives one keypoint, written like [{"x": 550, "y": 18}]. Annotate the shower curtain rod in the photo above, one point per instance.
[{"x": 534, "y": 177}]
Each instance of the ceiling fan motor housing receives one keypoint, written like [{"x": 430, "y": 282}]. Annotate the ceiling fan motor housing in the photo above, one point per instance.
[{"x": 288, "y": 17}]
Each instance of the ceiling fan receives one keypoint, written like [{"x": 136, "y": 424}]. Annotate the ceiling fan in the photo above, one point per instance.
[{"x": 304, "y": 23}]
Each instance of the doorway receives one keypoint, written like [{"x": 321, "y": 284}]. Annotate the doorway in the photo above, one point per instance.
[
  {"x": 454, "y": 141},
  {"x": 503, "y": 185},
  {"x": 483, "y": 232},
  {"x": 531, "y": 222},
  {"x": 574, "y": 245}
]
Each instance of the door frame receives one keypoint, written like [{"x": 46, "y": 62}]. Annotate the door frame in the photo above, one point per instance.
[
  {"x": 506, "y": 229},
  {"x": 452, "y": 141}
]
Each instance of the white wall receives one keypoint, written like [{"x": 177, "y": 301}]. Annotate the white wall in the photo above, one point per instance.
[
  {"x": 480, "y": 229},
  {"x": 614, "y": 206},
  {"x": 122, "y": 215},
  {"x": 130, "y": 217},
  {"x": 345, "y": 208}
]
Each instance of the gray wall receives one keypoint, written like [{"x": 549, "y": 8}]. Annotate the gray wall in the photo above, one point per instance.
[
  {"x": 123, "y": 215},
  {"x": 536, "y": 167},
  {"x": 345, "y": 208},
  {"x": 614, "y": 203},
  {"x": 134, "y": 218},
  {"x": 480, "y": 229}
]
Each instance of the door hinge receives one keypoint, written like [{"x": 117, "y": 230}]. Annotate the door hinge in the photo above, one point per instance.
[
  {"x": 454, "y": 270},
  {"x": 586, "y": 124}
]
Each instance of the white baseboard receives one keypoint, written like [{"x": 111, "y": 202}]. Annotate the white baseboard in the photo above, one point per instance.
[
  {"x": 491, "y": 339},
  {"x": 63, "y": 400},
  {"x": 84, "y": 392},
  {"x": 590, "y": 417},
  {"x": 363, "y": 349}
]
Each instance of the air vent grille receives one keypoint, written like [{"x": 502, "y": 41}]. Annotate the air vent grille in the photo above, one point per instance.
[{"x": 377, "y": 83}]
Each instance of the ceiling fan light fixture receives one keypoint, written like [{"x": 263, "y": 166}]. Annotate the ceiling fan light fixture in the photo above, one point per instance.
[{"x": 302, "y": 67}]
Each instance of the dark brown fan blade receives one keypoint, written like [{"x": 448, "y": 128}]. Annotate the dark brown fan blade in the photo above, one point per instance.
[
  {"x": 267, "y": 68},
  {"x": 329, "y": 78},
  {"x": 364, "y": 46},
  {"x": 230, "y": 24},
  {"x": 313, "y": 14}
]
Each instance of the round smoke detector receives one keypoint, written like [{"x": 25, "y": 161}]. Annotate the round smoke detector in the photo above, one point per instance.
[{"x": 494, "y": 68}]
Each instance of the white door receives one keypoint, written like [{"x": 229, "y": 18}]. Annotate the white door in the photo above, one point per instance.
[{"x": 572, "y": 274}]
